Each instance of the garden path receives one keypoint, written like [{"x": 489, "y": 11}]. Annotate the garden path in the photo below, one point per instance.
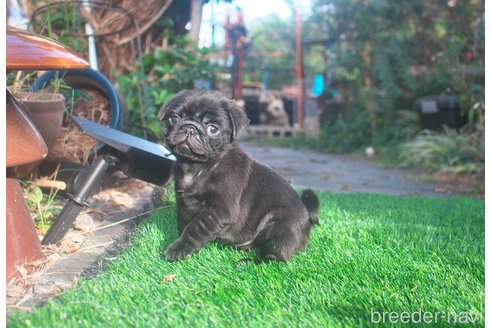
[{"x": 348, "y": 173}]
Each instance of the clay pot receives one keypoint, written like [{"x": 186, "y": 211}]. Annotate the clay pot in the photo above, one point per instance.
[
  {"x": 23, "y": 244},
  {"x": 25, "y": 147},
  {"x": 46, "y": 111}
]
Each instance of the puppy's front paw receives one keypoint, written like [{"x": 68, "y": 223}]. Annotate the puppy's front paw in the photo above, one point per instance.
[{"x": 177, "y": 251}]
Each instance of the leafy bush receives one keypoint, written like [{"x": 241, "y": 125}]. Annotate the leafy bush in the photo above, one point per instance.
[
  {"x": 380, "y": 57},
  {"x": 62, "y": 21},
  {"x": 370, "y": 120},
  {"x": 450, "y": 152},
  {"x": 168, "y": 70},
  {"x": 348, "y": 133},
  {"x": 175, "y": 67}
]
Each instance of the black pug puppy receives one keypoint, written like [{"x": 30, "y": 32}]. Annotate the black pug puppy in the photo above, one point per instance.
[{"x": 221, "y": 193}]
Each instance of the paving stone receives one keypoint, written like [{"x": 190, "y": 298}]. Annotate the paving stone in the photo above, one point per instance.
[{"x": 342, "y": 173}]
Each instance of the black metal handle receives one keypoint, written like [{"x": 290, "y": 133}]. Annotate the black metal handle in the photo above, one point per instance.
[{"x": 76, "y": 202}]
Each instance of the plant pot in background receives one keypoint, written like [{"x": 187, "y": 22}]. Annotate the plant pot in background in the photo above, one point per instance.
[
  {"x": 92, "y": 97},
  {"x": 438, "y": 111},
  {"x": 46, "y": 112}
]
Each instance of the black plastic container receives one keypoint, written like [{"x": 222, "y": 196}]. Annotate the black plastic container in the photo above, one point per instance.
[{"x": 436, "y": 112}]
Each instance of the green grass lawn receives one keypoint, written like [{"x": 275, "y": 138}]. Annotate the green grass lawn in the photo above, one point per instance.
[{"x": 371, "y": 253}]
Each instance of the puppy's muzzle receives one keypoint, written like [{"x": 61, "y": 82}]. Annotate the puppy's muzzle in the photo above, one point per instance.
[
  {"x": 187, "y": 140},
  {"x": 189, "y": 130}
]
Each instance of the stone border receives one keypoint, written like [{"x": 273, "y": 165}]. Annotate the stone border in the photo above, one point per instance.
[{"x": 88, "y": 246}]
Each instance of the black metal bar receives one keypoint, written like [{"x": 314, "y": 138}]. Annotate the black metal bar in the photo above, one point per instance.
[{"x": 76, "y": 202}]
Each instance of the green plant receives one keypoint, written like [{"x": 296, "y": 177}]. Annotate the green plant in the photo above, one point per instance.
[
  {"x": 20, "y": 81},
  {"x": 357, "y": 128},
  {"x": 348, "y": 133},
  {"x": 169, "y": 70},
  {"x": 43, "y": 207},
  {"x": 383, "y": 55},
  {"x": 178, "y": 65},
  {"x": 448, "y": 152},
  {"x": 63, "y": 22}
]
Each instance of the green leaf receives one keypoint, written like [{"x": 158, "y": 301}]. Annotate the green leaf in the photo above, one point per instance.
[{"x": 35, "y": 195}]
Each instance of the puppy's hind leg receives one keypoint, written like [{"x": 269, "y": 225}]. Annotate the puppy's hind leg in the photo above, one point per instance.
[{"x": 280, "y": 240}]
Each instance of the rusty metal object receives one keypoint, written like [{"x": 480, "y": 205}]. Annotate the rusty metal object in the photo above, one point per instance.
[
  {"x": 25, "y": 149},
  {"x": 28, "y": 52},
  {"x": 23, "y": 245},
  {"x": 25, "y": 146},
  {"x": 24, "y": 143}
]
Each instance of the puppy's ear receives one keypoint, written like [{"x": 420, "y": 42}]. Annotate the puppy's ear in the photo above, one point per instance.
[
  {"x": 237, "y": 116},
  {"x": 173, "y": 104}
]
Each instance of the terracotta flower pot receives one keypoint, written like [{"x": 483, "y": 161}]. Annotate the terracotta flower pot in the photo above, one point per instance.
[{"x": 46, "y": 111}]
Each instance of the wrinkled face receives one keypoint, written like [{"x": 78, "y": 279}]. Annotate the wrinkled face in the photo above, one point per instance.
[{"x": 200, "y": 125}]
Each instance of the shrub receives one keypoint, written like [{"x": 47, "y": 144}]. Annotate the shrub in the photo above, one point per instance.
[
  {"x": 356, "y": 129},
  {"x": 348, "y": 133},
  {"x": 450, "y": 152},
  {"x": 169, "y": 70}
]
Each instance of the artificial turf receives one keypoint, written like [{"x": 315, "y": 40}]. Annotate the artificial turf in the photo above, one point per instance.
[{"x": 370, "y": 254}]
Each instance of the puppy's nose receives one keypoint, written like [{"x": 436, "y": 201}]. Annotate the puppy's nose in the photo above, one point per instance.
[{"x": 190, "y": 130}]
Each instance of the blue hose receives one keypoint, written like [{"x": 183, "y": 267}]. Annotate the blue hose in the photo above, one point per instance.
[{"x": 99, "y": 79}]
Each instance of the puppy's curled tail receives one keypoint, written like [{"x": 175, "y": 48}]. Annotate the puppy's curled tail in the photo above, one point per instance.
[{"x": 311, "y": 202}]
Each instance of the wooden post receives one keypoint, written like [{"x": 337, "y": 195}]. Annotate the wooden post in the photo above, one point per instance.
[
  {"x": 299, "y": 66},
  {"x": 367, "y": 55},
  {"x": 196, "y": 19},
  {"x": 240, "y": 70},
  {"x": 212, "y": 22}
]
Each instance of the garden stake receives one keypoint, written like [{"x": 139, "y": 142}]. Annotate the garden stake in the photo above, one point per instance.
[{"x": 75, "y": 202}]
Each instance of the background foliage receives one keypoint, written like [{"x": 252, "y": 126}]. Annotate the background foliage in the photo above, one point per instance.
[
  {"x": 271, "y": 45},
  {"x": 397, "y": 52},
  {"x": 168, "y": 70},
  {"x": 380, "y": 56}
]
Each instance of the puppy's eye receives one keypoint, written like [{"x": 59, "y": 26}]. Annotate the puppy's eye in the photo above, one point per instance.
[
  {"x": 212, "y": 130},
  {"x": 173, "y": 119}
]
